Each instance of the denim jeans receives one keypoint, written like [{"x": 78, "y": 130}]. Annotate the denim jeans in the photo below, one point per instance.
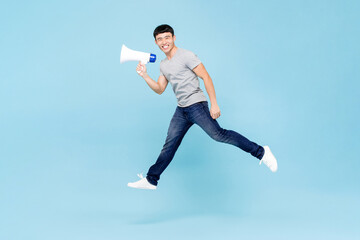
[{"x": 183, "y": 119}]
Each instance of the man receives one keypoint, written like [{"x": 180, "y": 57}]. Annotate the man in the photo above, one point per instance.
[{"x": 182, "y": 68}]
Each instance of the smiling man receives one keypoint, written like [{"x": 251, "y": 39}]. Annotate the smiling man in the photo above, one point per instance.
[{"x": 182, "y": 69}]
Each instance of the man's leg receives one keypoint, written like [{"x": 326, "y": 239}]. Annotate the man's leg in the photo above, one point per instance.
[
  {"x": 179, "y": 125},
  {"x": 201, "y": 116}
]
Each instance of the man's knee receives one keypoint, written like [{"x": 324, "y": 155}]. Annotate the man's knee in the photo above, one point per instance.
[{"x": 219, "y": 135}]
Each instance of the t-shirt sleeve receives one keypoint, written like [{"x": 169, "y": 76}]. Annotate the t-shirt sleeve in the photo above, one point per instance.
[{"x": 191, "y": 60}]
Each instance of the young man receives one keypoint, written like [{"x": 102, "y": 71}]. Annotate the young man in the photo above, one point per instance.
[{"x": 182, "y": 68}]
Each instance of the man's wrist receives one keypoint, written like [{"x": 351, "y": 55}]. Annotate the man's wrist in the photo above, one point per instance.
[
  {"x": 145, "y": 75},
  {"x": 213, "y": 103}
]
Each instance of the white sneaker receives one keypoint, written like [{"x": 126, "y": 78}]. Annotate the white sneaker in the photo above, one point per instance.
[
  {"x": 269, "y": 159},
  {"x": 142, "y": 183}
]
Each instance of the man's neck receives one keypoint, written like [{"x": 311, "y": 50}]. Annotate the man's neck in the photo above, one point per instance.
[{"x": 170, "y": 54}]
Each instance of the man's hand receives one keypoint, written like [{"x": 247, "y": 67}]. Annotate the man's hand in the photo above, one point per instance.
[
  {"x": 141, "y": 69},
  {"x": 215, "y": 111}
]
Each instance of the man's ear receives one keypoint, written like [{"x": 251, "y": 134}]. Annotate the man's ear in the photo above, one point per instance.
[{"x": 174, "y": 37}]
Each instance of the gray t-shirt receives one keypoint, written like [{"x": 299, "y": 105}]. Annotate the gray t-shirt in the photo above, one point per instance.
[{"x": 185, "y": 83}]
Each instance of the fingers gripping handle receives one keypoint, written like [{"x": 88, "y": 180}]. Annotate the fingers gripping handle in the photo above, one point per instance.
[
  {"x": 150, "y": 58},
  {"x": 142, "y": 68}
]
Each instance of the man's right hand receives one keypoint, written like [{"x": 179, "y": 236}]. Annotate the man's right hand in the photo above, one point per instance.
[{"x": 141, "y": 69}]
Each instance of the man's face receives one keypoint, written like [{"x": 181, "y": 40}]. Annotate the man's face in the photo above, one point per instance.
[{"x": 165, "y": 41}]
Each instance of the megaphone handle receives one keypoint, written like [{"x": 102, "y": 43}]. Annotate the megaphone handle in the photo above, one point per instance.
[{"x": 143, "y": 62}]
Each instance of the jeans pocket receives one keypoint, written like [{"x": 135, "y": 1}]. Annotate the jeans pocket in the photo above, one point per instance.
[{"x": 205, "y": 104}]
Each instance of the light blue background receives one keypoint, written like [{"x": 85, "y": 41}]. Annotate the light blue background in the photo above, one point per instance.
[{"x": 76, "y": 126}]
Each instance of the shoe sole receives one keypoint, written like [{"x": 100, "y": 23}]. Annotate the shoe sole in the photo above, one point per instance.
[{"x": 152, "y": 188}]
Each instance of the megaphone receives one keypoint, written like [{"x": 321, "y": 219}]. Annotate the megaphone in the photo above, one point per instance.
[{"x": 131, "y": 55}]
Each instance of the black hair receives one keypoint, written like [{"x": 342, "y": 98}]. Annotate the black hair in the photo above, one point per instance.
[{"x": 163, "y": 29}]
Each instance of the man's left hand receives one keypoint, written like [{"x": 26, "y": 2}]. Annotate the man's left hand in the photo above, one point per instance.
[{"x": 215, "y": 111}]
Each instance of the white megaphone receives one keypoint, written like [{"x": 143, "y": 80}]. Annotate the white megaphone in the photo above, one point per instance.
[{"x": 131, "y": 55}]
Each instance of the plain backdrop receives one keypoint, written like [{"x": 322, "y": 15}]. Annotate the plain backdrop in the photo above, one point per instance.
[{"x": 76, "y": 126}]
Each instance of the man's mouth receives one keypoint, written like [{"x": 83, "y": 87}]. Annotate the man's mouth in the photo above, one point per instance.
[{"x": 165, "y": 47}]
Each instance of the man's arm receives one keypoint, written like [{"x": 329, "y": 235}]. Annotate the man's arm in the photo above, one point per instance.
[
  {"x": 159, "y": 86},
  {"x": 201, "y": 72}
]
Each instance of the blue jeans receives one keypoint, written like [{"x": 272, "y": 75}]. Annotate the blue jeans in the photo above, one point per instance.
[{"x": 183, "y": 119}]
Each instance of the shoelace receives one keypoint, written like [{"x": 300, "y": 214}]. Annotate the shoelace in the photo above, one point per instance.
[{"x": 140, "y": 175}]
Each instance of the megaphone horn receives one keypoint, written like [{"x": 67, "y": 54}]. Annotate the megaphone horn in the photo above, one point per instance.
[{"x": 131, "y": 55}]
